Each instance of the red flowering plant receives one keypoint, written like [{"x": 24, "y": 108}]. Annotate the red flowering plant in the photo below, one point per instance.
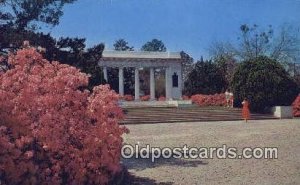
[
  {"x": 209, "y": 100},
  {"x": 127, "y": 97},
  {"x": 52, "y": 131},
  {"x": 145, "y": 98},
  {"x": 296, "y": 107},
  {"x": 162, "y": 98}
]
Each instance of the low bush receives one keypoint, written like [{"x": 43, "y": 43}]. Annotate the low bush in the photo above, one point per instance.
[
  {"x": 209, "y": 100},
  {"x": 128, "y": 97},
  {"x": 162, "y": 98},
  {"x": 145, "y": 98}
]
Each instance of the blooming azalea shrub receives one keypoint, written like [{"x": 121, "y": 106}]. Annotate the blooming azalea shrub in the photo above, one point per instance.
[
  {"x": 145, "y": 98},
  {"x": 128, "y": 97},
  {"x": 184, "y": 97},
  {"x": 209, "y": 100},
  {"x": 162, "y": 98},
  {"x": 296, "y": 107},
  {"x": 52, "y": 131}
]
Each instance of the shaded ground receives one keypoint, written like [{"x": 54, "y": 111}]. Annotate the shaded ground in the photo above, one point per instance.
[{"x": 284, "y": 134}]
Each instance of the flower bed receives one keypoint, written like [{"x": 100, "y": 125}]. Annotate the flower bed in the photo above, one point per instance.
[
  {"x": 209, "y": 100},
  {"x": 162, "y": 98},
  {"x": 127, "y": 97},
  {"x": 145, "y": 98},
  {"x": 296, "y": 107}
]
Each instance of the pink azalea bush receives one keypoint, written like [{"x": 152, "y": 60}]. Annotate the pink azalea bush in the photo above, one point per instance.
[
  {"x": 52, "y": 131},
  {"x": 145, "y": 98},
  {"x": 296, "y": 107},
  {"x": 209, "y": 100}
]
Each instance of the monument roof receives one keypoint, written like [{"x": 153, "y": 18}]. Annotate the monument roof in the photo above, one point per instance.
[{"x": 140, "y": 55}]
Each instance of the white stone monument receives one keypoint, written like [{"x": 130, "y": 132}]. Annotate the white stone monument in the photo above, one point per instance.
[{"x": 170, "y": 61}]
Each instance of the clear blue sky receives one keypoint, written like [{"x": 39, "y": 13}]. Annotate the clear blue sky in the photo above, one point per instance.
[{"x": 189, "y": 25}]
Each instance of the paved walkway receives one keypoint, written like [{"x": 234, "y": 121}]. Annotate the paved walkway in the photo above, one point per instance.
[{"x": 284, "y": 134}]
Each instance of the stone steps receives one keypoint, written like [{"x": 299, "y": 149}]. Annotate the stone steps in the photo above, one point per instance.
[{"x": 187, "y": 114}]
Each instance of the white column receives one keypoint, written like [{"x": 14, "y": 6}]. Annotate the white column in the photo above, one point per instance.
[
  {"x": 168, "y": 84},
  {"x": 136, "y": 84},
  {"x": 105, "y": 74},
  {"x": 152, "y": 84},
  {"x": 121, "y": 81}
]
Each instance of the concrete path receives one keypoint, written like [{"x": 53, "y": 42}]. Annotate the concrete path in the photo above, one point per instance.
[{"x": 284, "y": 134}]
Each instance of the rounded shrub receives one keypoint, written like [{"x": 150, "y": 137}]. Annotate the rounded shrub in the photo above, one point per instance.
[{"x": 265, "y": 83}]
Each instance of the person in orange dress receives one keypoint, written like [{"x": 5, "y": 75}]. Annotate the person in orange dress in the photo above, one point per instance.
[{"x": 245, "y": 110}]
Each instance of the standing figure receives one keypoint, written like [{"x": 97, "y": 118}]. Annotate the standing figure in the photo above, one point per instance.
[
  {"x": 227, "y": 96},
  {"x": 245, "y": 110}
]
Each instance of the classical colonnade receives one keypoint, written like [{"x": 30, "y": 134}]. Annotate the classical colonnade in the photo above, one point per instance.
[
  {"x": 137, "y": 82},
  {"x": 171, "y": 62}
]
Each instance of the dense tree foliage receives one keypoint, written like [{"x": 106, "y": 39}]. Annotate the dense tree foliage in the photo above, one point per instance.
[
  {"x": 187, "y": 64},
  {"x": 264, "y": 82},
  {"x": 52, "y": 131},
  {"x": 154, "y": 45},
  {"x": 19, "y": 20},
  {"x": 205, "y": 78},
  {"x": 122, "y": 45},
  {"x": 26, "y": 13},
  {"x": 227, "y": 67},
  {"x": 70, "y": 51}
]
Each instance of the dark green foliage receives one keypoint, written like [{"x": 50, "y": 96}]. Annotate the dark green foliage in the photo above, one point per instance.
[
  {"x": 89, "y": 64},
  {"x": 67, "y": 50},
  {"x": 129, "y": 80},
  {"x": 154, "y": 45},
  {"x": 205, "y": 78},
  {"x": 264, "y": 82},
  {"x": 122, "y": 45},
  {"x": 187, "y": 64},
  {"x": 18, "y": 22},
  {"x": 25, "y": 14}
]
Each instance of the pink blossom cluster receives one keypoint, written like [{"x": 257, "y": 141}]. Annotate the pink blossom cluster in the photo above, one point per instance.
[
  {"x": 52, "y": 131},
  {"x": 128, "y": 97},
  {"x": 209, "y": 100},
  {"x": 145, "y": 98},
  {"x": 296, "y": 107},
  {"x": 162, "y": 98}
]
